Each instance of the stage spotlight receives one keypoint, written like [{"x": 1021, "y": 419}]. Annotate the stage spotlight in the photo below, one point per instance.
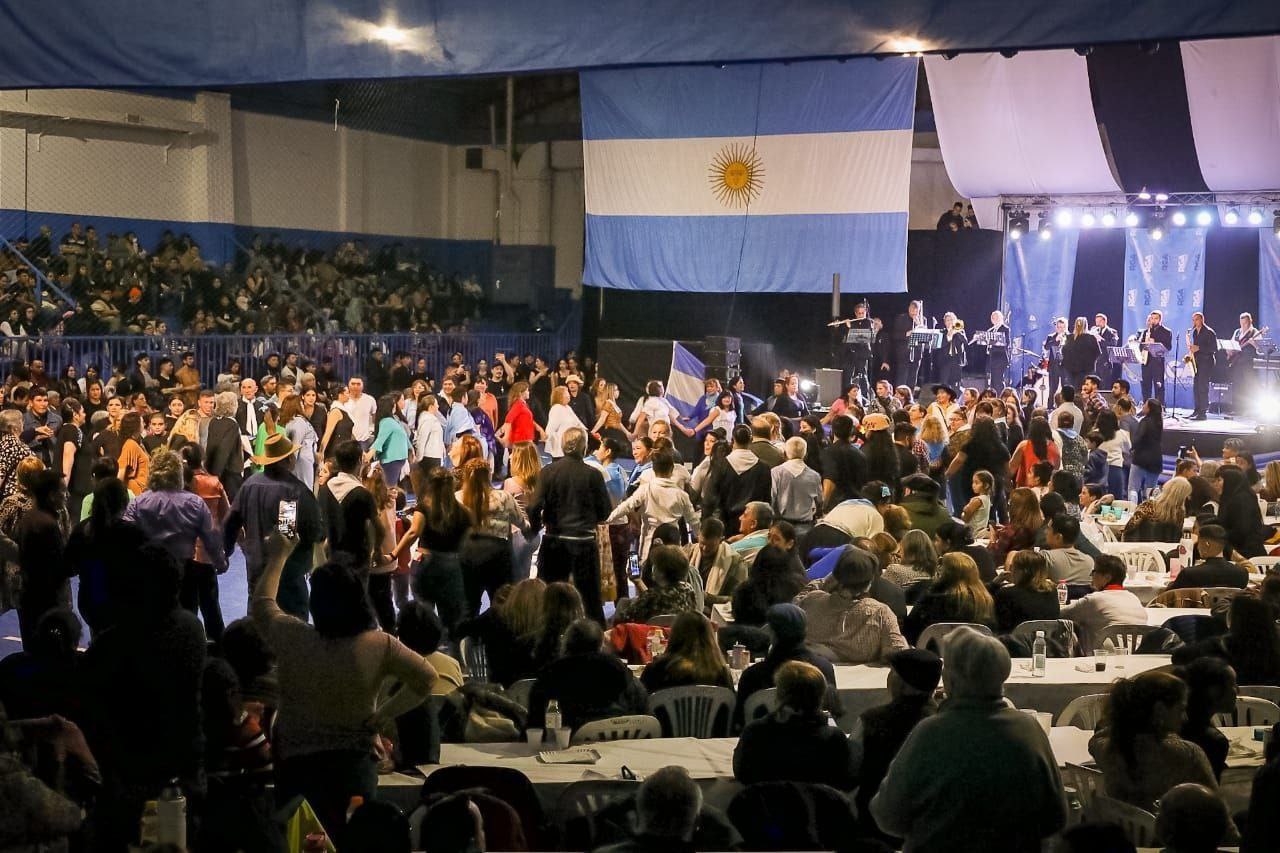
[
  {"x": 1144, "y": 195},
  {"x": 1108, "y": 220},
  {"x": 1046, "y": 233},
  {"x": 1063, "y": 218},
  {"x": 806, "y": 385},
  {"x": 1231, "y": 217},
  {"x": 1017, "y": 224},
  {"x": 1204, "y": 217},
  {"x": 1179, "y": 218},
  {"x": 1087, "y": 220},
  {"x": 1157, "y": 233},
  {"x": 1131, "y": 219},
  {"x": 1162, "y": 196},
  {"x": 1255, "y": 217},
  {"x": 1266, "y": 409}
]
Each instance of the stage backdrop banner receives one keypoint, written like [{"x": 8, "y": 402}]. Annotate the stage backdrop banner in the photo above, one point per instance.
[
  {"x": 1269, "y": 281},
  {"x": 749, "y": 178},
  {"x": 1165, "y": 275},
  {"x": 1038, "y": 280}
]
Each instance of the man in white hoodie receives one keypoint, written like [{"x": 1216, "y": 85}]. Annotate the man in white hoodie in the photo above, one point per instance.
[
  {"x": 659, "y": 501},
  {"x": 797, "y": 488}
]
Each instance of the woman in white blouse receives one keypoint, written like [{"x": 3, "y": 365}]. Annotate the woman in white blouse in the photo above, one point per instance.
[
  {"x": 428, "y": 431},
  {"x": 559, "y": 419},
  {"x": 654, "y": 406}
]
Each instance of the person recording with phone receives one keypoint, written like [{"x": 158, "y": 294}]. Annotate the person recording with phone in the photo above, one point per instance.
[{"x": 275, "y": 500}]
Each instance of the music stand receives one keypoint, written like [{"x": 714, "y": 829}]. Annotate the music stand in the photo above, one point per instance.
[
  {"x": 865, "y": 337},
  {"x": 925, "y": 339},
  {"x": 1155, "y": 348}
]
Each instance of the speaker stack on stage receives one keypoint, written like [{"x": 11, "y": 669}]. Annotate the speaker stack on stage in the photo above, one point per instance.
[{"x": 723, "y": 358}]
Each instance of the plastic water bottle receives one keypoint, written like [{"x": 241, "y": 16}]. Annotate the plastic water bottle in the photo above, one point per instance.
[
  {"x": 171, "y": 809},
  {"x": 149, "y": 831},
  {"x": 1062, "y": 593},
  {"x": 1039, "y": 655},
  {"x": 552, "y": 718}
]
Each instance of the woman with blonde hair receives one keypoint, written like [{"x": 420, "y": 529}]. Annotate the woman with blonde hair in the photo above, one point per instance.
[
  {"x": 524, "y": 467},
  {"x": 1271, "y": 482},
  {"x": 609, "y": 421},
  {"x": 486, "y": 555},
  {"x": 933, "y": 432},
  {"x": 916, "y": 560},
  {"x": 186, "y": 430},
  {"x": 465, "y": 448},
  {"x": 1029, "y": 594},
  {"x": 1160, "y": 519},
  {"x": 1080, "y": 353},
  {"x": 510, "y": 629},
  {"x": 956, "y": 595},
  {"x": 559, "y": 419}
]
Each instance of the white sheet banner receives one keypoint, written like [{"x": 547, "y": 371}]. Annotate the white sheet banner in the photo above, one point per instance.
[
  {"x": 1233, "y": 92},
  {"x": 1018, "y": 126}
]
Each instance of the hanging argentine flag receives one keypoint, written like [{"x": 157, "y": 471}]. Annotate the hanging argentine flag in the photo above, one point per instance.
[
  {"x": 685, "y": 384},
  {"x": 749, "y": 178}
]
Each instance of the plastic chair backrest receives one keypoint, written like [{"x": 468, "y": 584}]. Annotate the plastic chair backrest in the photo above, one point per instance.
[
  {"x": 631, "y": 727},
  {"x": 1217, "y": 595},
  {"x": 662, "y": 620},
  {"x": 1250, "y": 711},
  {"x": 1084, "y": 712},
  {"x": 475, "y": 662},
  {"x": 1059, "y": 634},
  {"x": 938, "y": 631},
  {"x": 1271, "y": 694},
  {"x": 1265, "y": 563},
  {"x": 505, "y": 783},
  {"x": 1142, "y": 561},
  {"x": 1191, "y": 596},
  {"x": 1086, "y": 780},
  {"x": 1123, "y": 636},
  {"x": 760, "y": 704},
  {"x": 1138, "y": 824},
  {"x": 699, "y": 711},
  {"x": 586, "y": 798},
  {"x": 520, "y": 691}
]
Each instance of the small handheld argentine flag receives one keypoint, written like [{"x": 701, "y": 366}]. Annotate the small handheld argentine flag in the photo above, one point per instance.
[{"x": 749, "y": 178}]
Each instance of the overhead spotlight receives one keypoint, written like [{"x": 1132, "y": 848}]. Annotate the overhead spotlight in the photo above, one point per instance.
[
  {"x": 1087, "y": 220},
  {"x": 1231, "y": 217},
  {"x": 1131, "y": 220},
  {"x": 1157, "y": 233},
  {"x": 1108, "y": 220},
  {"x": 1063, "y": 218},
  {"x": 806, "y": 385},
  {"x": 1255, "y": 217},
  {"x": 1204, "y": 217},
  {"x": 950, "y": 54},
  {"x": 1155, "y": 224},
  {"x": 1018, "y": 222},
  {"x": 1046, "y": 233},
  {"x": 1144, "y": 195},
  {"x": 1008, "y": 52},
  {"x": 1162, "y": 196},
  {"x": 1179, "y": 218},
  {"x": 1085, "y": 50}
]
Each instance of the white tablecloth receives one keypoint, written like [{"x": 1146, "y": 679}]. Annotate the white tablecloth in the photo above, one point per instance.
[
  {"x": 863, "y": 687},
  {"x": 722, "y": 614},
  {"x": 1147, "y": 585}
]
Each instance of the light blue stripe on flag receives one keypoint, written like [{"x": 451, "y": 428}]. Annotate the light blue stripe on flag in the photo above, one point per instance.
[
  {"x": 1038, "y": 280},
  {"x": 1269, "y": 281},
  {"x": 804, "y": 97},
  {"x": 685, "y": 381},
  {"x": 757, "y": 254}
]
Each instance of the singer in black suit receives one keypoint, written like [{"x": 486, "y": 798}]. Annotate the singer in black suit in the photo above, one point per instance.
[
  {"x": 1053, "y": 345},
  {"x": 1203, "y": 347},
  {"x": 1107, "y": 338},
  {"x": 906, "y": 358},
  {"x": 1153, "y": 371},
  {"x": 997, "y": 353},
  {"x": 953, "y": 355}
]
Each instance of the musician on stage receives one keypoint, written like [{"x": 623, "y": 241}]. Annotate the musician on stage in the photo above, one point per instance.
[
  {"x": 860, "y": 354},
  {"x": 997, "y": 352},
  {"x": 953, "y": 354},
  {"x": 1240, "y": 364},
  {"x": 1202, "y": 352},
  {"x": 906, "y": 358},
  {"x": 1153, "y": 369},
  {"x": 1107, "y": 337},
  {"x": 1053, "y": 345},
  {"x": 881, "y": 352}
]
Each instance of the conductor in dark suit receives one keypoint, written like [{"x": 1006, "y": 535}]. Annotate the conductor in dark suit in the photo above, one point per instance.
[
  {"x": 1203, "y": 347},
  {"x": 224, "y": 452}
]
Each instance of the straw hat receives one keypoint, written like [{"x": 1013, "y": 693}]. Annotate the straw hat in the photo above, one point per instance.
[
  {"x": 277, "y": 446},
  {"x": 874, "y": 422}
]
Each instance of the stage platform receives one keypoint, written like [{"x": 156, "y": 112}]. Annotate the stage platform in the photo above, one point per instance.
[{"x": 1263, "y": 440}]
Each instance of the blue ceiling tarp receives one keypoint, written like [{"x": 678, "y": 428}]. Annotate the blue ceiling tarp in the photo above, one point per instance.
[{"x": 125, "y": 43}]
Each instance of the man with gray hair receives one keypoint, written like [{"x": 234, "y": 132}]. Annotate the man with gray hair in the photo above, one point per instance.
[
  {"x": 753, "y": 530},
  {"x": 667, "y": 808},
  {"x": 223, "y": 451},
  {"x": 571, "y": 499},
  {"x": 979, "y": 775},
  {"x": 797, "y": 488}
]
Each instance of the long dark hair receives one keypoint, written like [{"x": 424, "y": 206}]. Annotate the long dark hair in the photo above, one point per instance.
[
  {"x": 693, "y": 652},
  {"x": 110, "y": 499},
  {"x": 1233, "y": 482},
  {"x": 443, "y": 510},
  {"x": 882, "y": 457},
  {"x": 340, "y": 605},
  {"x": 1130, "y": 706},
  {"x": 1108, "y": 424},
  {"x": 1039, "y": 433},
  {"x": 386, "y": 409},
  {"x": 1253, "y": 642},
  {"x": 985, "y": 451}
]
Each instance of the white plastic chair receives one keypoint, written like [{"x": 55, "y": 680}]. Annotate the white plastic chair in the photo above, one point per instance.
[
  {"x": 631, "y": 727},
  {"x": 1087, "y": 782},
  {"x": 699, "y": 711},
  {"x": 1142, "y": 561},
  {"x": 583, "y": 800},
  {"x": 520, "y": 692},
  {"x": 1250, "y": 711},
  {"x": 1084, "y": 712},
  {"x": 1060, "y": 636},
  {"x": 937, "y": 632},
  {"x": 1123, "y": 636},
  {"x": 1216, "y": 596},
  {"x": 662, "y": 620},
  {"x": 1138, "y": 824},
  {"x": 475, "y": 662},
  {"x": 1265, "y": 564},
  {"x": 760, "y": 704},
  {"x": 1259, "y": 691}
]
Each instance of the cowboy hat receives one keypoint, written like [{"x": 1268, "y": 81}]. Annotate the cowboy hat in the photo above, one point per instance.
[
  {"x": 944, "y": 387},
  {"x": 573, "y": 377},
  {"x": 277, "y": 447}
]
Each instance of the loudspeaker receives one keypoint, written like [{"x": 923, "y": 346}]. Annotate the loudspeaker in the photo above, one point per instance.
[
  {"x": 724, "y": 374},
  {"x": 475, "y": 158},
  {"x": 718, "y": 342},
  {"x": 713, "y": 358},
  {"x": 829, "y": 384}
]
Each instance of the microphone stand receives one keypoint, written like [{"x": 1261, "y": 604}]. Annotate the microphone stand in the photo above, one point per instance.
[{"x": 1173, "y": 396}]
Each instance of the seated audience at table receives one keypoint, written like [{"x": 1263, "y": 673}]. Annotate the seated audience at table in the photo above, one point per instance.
[
  {"x": 692, "y": 657},
  {"x": 1109, "y": 603},
  {"x": 1067, "y": 563},
  {"x": 721, "y": 568},
  {"x": 670, "y": 592},
  {"x": 844, "y": 623},
  {"x": 772, "y": 579},
  {"x": 956, "y": 595},
  {"x": 421, "y": 630},
  {"x": 1251, "y": 645},
  {"x": 1213, "y": 569},
  {"x": 1193, "y": 819},
  {"x": 1139, "y": 749},
  {"x": 922, "y": 501},
  {"x": 1026, "y": 592},
  {"x": 913, "y": 679},
  {"x": 978, "y": 770},
  {"x": 915, "y": 561},
  {"x": 795, "y": 742},
  {"x": 1020, "y": 531},
  {"x": 788, "y": 630},
  {"x": 667, "y": 807},
  {"x": 561, "y": 607},
  {"x": 955, "y": 535},
  {"x": 1054, "y": 503},
  {"x": 753, "y": 530},
  {"x": 1239, "y": 512},
  {"x": 1211, "y": 690},
  {"x": 1160, "y": 518},
  {"x": 588, "y": 682}
]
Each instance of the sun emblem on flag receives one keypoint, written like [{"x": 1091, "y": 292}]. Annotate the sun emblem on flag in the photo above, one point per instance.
[{"x": 736, "y": 175}]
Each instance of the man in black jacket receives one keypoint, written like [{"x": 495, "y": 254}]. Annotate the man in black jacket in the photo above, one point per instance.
[
  {"x": 787, "y": 626},
  {"x": 570, "y": 501},
  {"x": 1153, "y": 370},
  {"x": 844, "y": 467},
  {"x": 1203, "y": 348},
  {"x": 1213, "y": 569}
]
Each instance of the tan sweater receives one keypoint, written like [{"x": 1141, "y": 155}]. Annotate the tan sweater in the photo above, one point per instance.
[{"x": 1160, "y": 764}]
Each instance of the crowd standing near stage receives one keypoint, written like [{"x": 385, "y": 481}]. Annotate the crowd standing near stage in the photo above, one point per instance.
[{"x": 385, "y": 519}]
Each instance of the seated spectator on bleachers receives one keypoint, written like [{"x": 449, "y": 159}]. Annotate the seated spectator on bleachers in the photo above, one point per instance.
[
  {"x": 795, "y": 742},
  {"x": 1213, "y": 569},
  {"x": 692, "y": 657},
  {"x": 1251, "y": 644},
  {"x": 670, "y": 592},
  {"x": 1025, "y": 593},
  {"x": 589, "y": 684},
  {"x": 1139, "y": 749},
  {"x": 1067, "y": 563},
  {"x": 978, "y": 770},
  {"x": 844, "y": 623},
  {"x": 956, "y": 595},
  {"x": 913, "y": 679},
  {"x": 1109, "y": 604},
  {"x": 772, "y": 579}
]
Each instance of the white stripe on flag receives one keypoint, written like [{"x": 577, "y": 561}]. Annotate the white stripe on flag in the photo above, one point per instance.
[
  {"x": 683, "y": 387},
  {"x": 856, "y": 172}
]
